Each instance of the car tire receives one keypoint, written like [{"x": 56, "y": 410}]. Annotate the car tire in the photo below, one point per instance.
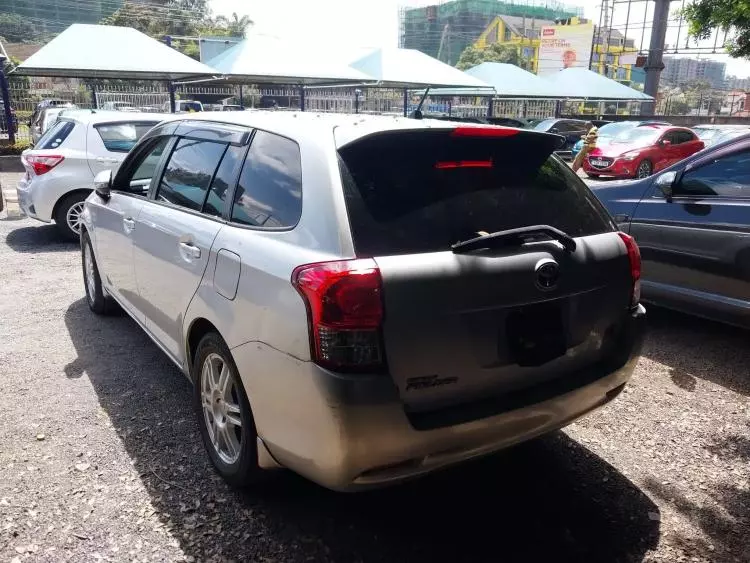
[
  {"x": 644, "y": 169},
  {"x": 68, "y": 215},
  {"x": 220, "y": 403},
  {"x": 98, "y": 300}
]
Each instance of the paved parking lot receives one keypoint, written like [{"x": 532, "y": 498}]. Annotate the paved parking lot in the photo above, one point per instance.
[{"x": 100, "y": 458}]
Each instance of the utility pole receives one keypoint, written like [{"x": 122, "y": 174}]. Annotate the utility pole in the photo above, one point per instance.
[{"x": 654, "y": 62}]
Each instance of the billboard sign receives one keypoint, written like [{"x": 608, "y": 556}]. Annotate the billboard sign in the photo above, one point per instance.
[{"x": 565, "y": 46}]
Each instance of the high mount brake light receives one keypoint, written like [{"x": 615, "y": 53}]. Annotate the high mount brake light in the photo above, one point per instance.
[
  {"x": 493, "y": 131},
  {"x": 463, "y": 164},
  {"x": 345, "y": 313}
]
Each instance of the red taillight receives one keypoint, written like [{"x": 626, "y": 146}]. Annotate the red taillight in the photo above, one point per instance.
[
  {"x": 446, "y": 165},
  {"x": 41, "y": 164},
  {"x": 483, "y": 131},
  {"x": 345, "y": 311},
  {"x": 634, "y": 255}
]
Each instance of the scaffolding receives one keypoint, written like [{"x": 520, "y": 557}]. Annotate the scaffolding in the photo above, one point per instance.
[{"x": 446, "y": 28}]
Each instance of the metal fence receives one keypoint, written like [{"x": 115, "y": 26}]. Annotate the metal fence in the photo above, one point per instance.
[{"x": 149, "y": 96}]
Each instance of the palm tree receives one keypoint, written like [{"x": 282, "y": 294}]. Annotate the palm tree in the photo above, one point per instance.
[{"x": 236, "y": 26}]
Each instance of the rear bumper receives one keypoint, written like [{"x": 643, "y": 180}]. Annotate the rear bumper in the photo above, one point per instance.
[
  {"x": 26, "y": 200},
  {"x": 351, "y": 433}
]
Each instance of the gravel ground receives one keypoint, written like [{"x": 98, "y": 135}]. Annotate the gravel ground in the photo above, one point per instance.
[{"x": 100, "y": 458}]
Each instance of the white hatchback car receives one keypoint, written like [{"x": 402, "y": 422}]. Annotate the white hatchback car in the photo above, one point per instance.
[{"x": 60, "y": 168}]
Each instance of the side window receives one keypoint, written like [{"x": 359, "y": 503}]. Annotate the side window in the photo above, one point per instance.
[
  {"x": 727, "y": 176},
  {"x": 143, "y": 169},
  {"x": 55, "y": 135},
  {"x": 189, "y": 172},
  {"x": 564, "y": 127},
  {"x": 685, "y": 136},
  {"x": 121, "y": 137},
  {"x": 269, "y": 192},
  {"x": 670, "y": 136},
  {"x": 222, "y": 182}
]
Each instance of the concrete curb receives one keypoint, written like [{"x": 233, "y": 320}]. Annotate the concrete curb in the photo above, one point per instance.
[{"x": 10, "y": 202}]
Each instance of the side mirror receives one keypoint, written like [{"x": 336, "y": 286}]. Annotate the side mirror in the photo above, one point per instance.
[
  {"x": 665, "y": 182},
  {"x": 666, "y": 143},
  {"x": 103, "y": 184},
  {"x": 554, "y": 130}
]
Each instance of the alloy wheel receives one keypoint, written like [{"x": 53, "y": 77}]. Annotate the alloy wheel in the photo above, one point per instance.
[
  {"x": 73, "y": 217},
  {"x": 220, "y": 401},
  {"x": 644, "y": 170},
  {"x": 88, "y": 261}
]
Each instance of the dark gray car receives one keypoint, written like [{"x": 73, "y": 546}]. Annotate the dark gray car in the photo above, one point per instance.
[{"x": 692, "y": 224}]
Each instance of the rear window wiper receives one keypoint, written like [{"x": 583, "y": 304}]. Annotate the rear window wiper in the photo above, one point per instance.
[{"x": 515, "y": 236}]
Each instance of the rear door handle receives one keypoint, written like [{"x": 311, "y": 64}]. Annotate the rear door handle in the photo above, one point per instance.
[
  {"x": 129, "y": 224},
  {"x": 622, "y": 218},
  {"x": 106, "y": 160},
  {"x": 190, "y": 251}
]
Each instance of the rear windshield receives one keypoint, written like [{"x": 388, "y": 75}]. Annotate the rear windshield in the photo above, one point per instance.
[
  {"x": 120, "y": 137},
  {"x": 411, "y": 192},
  {"x": 191, "y": 106},
  {"x": 55, "y": 135}
]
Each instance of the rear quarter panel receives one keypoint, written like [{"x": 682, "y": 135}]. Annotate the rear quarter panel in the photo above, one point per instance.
[{"x": 267, "y": 309}]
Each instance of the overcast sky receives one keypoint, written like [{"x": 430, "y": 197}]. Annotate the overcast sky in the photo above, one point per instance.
[{"x": 374, "y": 23}]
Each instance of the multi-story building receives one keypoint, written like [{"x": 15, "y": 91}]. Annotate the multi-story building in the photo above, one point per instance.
[
  {"x": 679, "y": 70},
  {"x": 53, "y": 16},
  {"x": 736, "y": 83},
  {"x": 446, "y": 28},
  {"x": 608, "y": 53}
]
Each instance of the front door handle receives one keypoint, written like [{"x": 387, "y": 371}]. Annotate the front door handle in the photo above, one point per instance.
[
  {"x": 190, "y": 251},
  {"x": 622, "y": 218},
  {"x": 129, "y": 224}
]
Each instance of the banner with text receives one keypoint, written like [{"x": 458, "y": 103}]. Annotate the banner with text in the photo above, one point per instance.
[{"x": 565, "y": 46}]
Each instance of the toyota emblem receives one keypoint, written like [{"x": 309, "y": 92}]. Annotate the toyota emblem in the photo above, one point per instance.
[{"x": 547, "y": 274}]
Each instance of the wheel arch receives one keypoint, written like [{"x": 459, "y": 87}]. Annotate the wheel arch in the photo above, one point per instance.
[
  {"x": 67, "y": 194},
  {"x": 199, "y": 327}
]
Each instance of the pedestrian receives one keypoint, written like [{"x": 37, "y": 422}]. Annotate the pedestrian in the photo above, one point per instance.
[{"x": 589, "y": 144}]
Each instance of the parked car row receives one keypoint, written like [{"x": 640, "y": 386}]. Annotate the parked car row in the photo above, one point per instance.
[
  {"x": 357, "y": 323},
  {"x": 363, "y": 324}
]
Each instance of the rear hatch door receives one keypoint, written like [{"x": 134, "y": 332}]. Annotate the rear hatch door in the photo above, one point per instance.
[{"x": 464, "y": 322}]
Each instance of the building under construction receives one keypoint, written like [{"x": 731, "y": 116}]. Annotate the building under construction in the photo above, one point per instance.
[{"x": 445, "y": 29}]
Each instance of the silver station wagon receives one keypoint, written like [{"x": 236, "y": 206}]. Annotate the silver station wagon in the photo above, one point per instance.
[{"x": 365, "y": 299}]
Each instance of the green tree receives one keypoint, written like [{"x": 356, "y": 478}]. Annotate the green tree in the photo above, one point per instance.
[
  {"x": 187, "y": 18},
  {"x": 494, "y": 53},
  {"x": 704, "y": 16},
  {"x": 234, "y": 26},
  {"x": 16, "y": 29}
]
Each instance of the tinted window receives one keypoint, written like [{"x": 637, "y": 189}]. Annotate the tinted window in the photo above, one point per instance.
[
  {"x": 684, "y": 137},
  {"x": 189, "y": 172},
  {"x": 412, "y": 192},
  {"x": 269, "y": 193},
  {"x": 568, "y": 126},
  {"x": 55, "y": 135},
  {"x": 139, "y": 181},
  {"x": 223, "y": 180},
  {"x": 121, "y": 137},
  {"x": 728, "y": 176}
]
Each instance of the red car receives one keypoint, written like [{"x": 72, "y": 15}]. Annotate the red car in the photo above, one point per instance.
[{"x": 641, "y": 151}]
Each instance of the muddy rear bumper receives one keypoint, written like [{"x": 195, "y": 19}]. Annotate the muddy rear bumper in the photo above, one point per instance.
[{"x": 350, "y": 433}]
